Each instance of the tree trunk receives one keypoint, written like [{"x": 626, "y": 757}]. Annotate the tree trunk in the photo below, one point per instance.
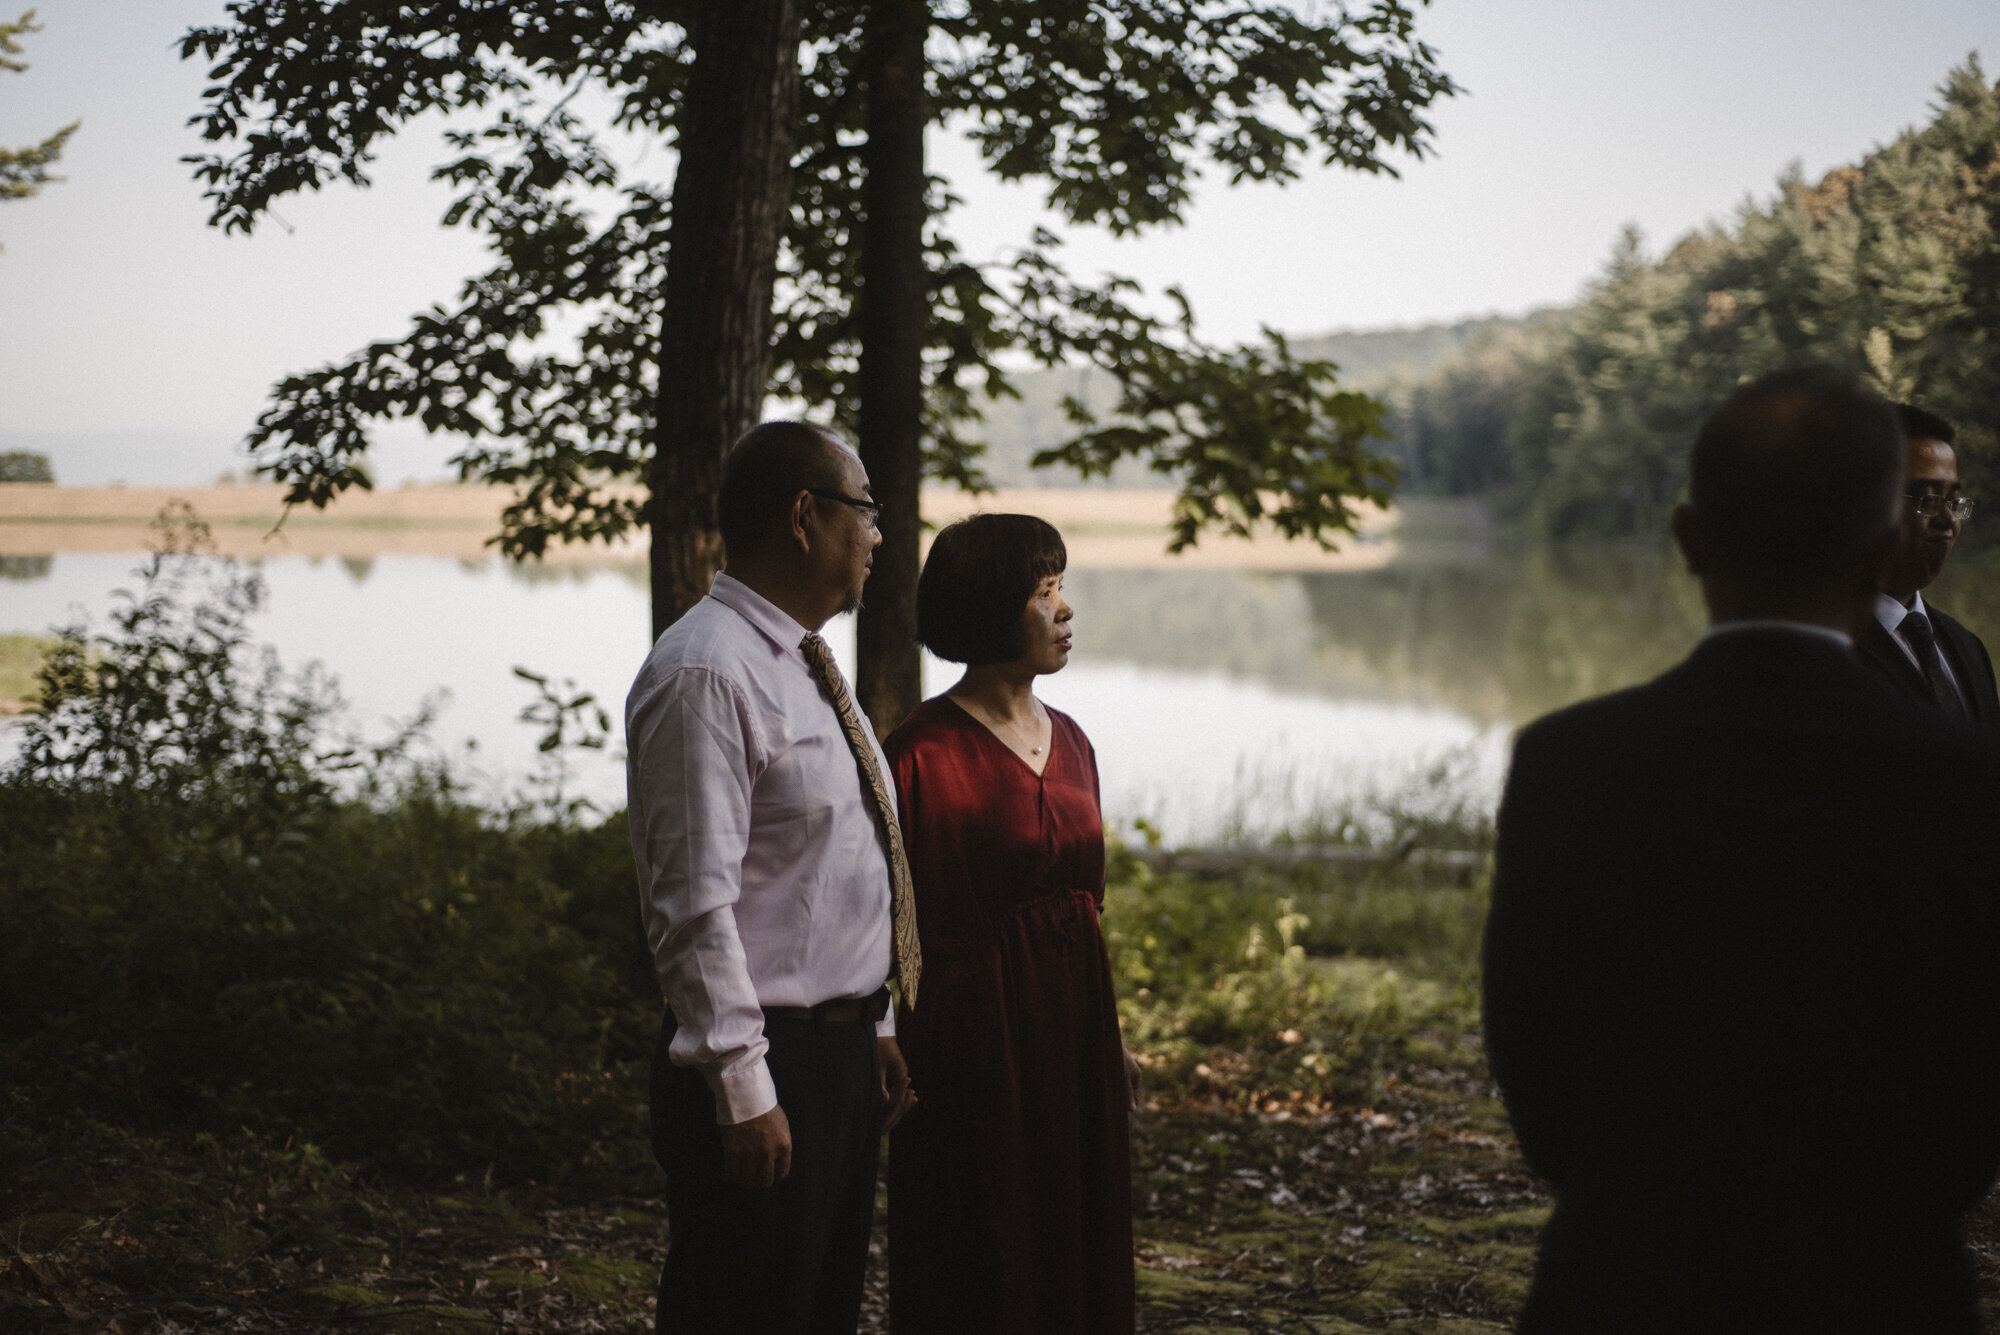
[
  {"x": 732, "y": 194},
  {"x": 894, "y": 323}
]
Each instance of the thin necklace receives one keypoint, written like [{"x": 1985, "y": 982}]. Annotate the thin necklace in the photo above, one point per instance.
[{"x": 1008, "y": 724}]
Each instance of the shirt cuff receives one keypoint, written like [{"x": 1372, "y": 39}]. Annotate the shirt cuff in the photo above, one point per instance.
[
  {"x": 744, "y": 1093},
  {"x": 886, "y": 1026}
]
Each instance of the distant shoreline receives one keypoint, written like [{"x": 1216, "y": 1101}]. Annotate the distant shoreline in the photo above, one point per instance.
[{"x": 1103, "y": 528}]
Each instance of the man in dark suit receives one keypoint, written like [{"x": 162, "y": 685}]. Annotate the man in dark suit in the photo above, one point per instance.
[
  {"x": 1921, "y": 651},
  {"x": 1742, "y": 968}
]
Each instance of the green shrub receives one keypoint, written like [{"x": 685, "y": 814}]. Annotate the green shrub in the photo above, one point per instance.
[
  {"x": 221, "y": 912},
  {"x": 1294, "y": 990}
]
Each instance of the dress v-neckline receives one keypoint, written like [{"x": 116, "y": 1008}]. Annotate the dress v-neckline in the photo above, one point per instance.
[{"x": 1040, "y": 775}]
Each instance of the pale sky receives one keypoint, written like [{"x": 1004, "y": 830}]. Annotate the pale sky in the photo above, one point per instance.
[{"x": 121, "y": 314}]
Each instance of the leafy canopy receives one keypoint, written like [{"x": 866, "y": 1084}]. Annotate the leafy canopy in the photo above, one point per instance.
[
  {"x": 1115, "y": 106},
  {"x": 24, "y": 171}
]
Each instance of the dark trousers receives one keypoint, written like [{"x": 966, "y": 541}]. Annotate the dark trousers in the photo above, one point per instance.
[{"x": 788, "y": 1261}]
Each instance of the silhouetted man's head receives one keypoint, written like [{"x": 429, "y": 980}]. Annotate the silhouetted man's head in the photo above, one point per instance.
[
  {"x": 1931, "y": 501},
  {"x": 1794, "y": 498}
]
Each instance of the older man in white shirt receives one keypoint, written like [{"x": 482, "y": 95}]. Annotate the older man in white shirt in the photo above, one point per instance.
[{"x": 769, "y": 864}]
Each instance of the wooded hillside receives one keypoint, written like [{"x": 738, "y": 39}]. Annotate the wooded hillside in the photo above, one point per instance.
[
  {"x": 1890, "y": 265},
  {"x": 1580, "y": 418}
]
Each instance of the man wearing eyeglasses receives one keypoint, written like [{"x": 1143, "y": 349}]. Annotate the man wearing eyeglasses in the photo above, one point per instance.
[
  {"x": 1914, "y": 645},
  {"x": 773, "y": 889}
]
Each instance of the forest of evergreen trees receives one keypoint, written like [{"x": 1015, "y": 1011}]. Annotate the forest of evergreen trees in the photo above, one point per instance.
[{"x": 1581, "y": 418}]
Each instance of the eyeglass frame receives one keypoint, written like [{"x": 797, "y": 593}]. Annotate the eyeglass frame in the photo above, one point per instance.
[
  {"x": 873, "y": 509},
  {"x": 1927, "y": 504}
]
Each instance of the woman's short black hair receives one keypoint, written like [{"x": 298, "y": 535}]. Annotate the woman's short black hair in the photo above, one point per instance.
[{"x": 977, "y": 582}]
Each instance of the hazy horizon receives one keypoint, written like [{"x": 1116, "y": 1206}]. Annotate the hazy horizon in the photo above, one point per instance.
[{"x": 130, "y": 320}]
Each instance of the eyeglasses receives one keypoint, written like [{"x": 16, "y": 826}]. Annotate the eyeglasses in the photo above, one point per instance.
[
  {"x": 873, "y": 509},
  {"x": 1928, "y": 503}
]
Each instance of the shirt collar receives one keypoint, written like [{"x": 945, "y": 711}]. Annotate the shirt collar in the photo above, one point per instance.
[
  {"x": 1824, "y": 632},
  {"x": 776, "y": 624},
  {"x": 1891, "y": 613}
]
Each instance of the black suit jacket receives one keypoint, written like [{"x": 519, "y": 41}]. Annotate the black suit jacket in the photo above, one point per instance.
[
  {"x": 1741, "y": 997},
  {"x": 1963, "y": 653}
]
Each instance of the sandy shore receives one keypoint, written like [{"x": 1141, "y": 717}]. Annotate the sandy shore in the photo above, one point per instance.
[{"x": 1113, "y": 530}]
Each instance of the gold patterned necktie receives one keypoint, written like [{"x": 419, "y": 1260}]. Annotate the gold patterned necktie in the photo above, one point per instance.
[{"x": 902, "y": 900}]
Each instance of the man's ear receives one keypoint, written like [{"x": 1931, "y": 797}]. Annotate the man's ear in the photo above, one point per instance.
[
  {"x": 1688, "y": 536},
  {"x": 796, "y": 529}
]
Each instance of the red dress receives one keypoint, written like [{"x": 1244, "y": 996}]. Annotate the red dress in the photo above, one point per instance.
[{"x": 1010, "y": 1182}]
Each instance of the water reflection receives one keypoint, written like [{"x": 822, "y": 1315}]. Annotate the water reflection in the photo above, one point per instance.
[
  {"x": 1499, "y": 641},
  {"x": 25, "y": 567},
  {"x": 1210, "y": 694}
]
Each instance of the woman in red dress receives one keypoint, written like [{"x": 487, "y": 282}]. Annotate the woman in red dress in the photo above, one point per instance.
[{"x": 1010, "y": 1180}]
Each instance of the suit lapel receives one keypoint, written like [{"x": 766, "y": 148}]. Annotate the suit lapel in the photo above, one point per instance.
[
  {"x": 1963, "y": 666},
  {"x": 1880, "y": 648}
]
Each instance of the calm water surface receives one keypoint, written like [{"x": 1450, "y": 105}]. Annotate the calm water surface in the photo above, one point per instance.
[{"x": 1218, "y": 701}]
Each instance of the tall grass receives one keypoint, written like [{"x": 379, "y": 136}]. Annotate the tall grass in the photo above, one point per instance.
[{"x": 1446, "y": 802}]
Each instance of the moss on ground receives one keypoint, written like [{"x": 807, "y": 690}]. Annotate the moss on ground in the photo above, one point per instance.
[
  {"x": 514, "y": 1281},
  {"x": 487, "y": 1217},
  {"x": 605, "y": 1279}
]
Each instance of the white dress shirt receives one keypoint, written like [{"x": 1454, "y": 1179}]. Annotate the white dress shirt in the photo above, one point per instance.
[
  {"x": 1891, "y": 613},
  {"x": 761, "y": 872}
]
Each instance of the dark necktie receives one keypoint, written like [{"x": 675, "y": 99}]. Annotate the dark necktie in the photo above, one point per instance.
[
  {"x": 1915, "y": 629},
  {"x": 902, "y": 900}
]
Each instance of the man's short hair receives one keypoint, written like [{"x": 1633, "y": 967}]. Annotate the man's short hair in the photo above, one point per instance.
[
  {"x": 976, "y": 584},
  {"x": 1922, "y": 424},
  {"x": 763, "y": 471},
  {"x": 1797, "y": 474}
]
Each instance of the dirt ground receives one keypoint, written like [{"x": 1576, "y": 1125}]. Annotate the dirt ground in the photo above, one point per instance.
[{"x": 1414, "y": 1218}]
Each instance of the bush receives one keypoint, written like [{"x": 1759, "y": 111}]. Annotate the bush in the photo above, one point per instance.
[
  {"x": 223, "y": 912},
  {"x": 25, "y": 466}
]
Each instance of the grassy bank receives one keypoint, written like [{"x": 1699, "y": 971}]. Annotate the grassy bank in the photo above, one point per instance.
[{"x": 1105, "y": 528}]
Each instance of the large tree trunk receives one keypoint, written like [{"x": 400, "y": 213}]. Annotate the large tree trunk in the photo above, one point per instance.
[
  {"x": 894, "y": 323},
  {"x": 732, "y": 193}
]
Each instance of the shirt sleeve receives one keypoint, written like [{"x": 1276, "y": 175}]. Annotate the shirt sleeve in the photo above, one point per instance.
[{"x": 693, "y": 763}]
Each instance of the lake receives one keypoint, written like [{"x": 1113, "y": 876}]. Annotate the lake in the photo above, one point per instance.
[{"x": 1221, "y": 702}]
